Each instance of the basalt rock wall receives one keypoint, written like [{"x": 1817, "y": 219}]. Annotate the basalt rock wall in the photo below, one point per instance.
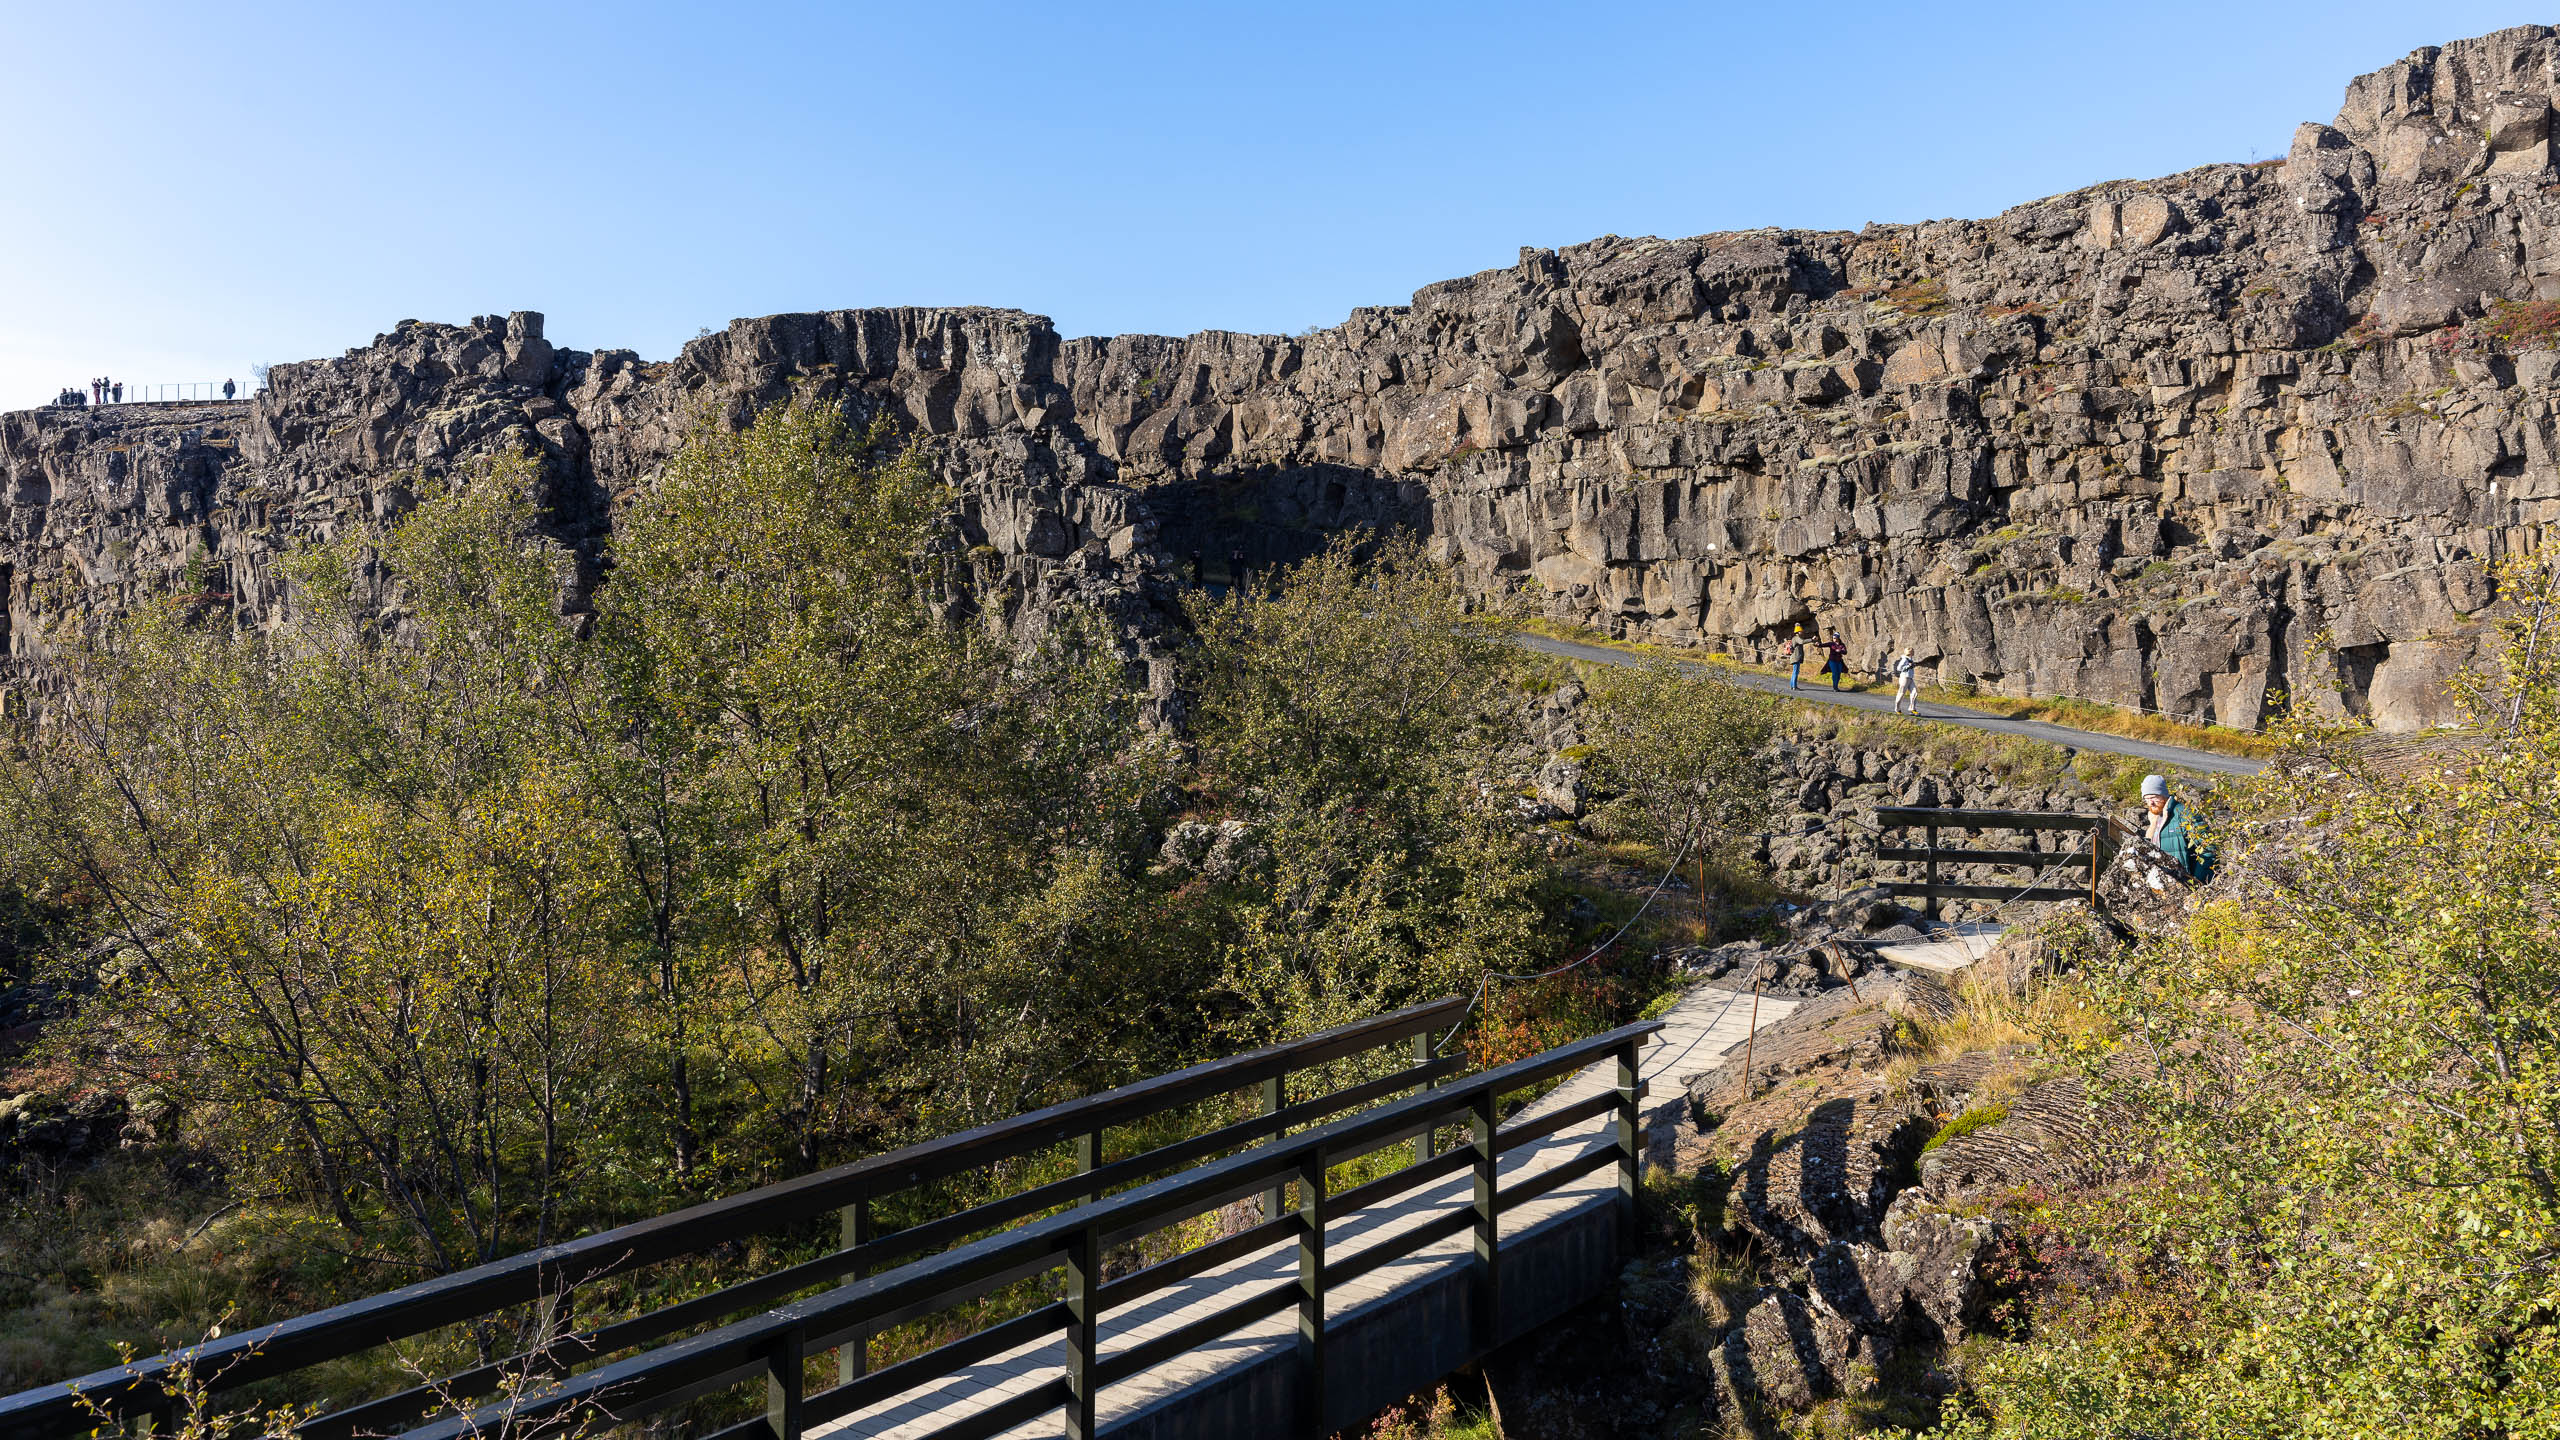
[{"x": 2192, "y": 443}]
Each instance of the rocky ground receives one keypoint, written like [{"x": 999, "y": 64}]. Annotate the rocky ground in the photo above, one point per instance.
[
  {"x": 2188, "y": 443},
  {"x": 1822, "y": 1244},
  {"x": 1826, "y": 1233}
]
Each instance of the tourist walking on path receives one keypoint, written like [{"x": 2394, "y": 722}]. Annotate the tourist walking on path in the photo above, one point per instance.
[
  {"x": 1838, "y": 664},
  {"x": 1235, "y": 569},
  {"x": 2165, "y": 824},
  {"x": 226, "y": 389},
  {"x": 1795, "y": 659},
  {"x": 1906, "y": 681}
]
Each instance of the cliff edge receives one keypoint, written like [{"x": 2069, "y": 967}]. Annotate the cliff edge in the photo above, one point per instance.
[{"x": 2191, "y": 444}]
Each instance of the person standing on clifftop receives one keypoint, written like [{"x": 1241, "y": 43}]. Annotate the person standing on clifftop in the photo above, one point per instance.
[
  {"x": 226, "y": 389},
  {"x": 97, "y": 392},
  {"x": 117, "y": 390},
  {"x": 1838, "y": 664},
  {"x": 1906, "y": 681},
  {"x": 1795, "y": 659}
]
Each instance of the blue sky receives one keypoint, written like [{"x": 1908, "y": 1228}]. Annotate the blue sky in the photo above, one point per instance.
[{"x": 196, "y": 189}]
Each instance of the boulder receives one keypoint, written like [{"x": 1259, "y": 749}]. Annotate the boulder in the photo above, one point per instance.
[
  {"x": 1561, "y": 787},
  {"x": 1788, "y": 1355},
  {"x": 1938, "y": 1255},
  {"x": 1831, "y": 1178},
  {"x": 2143, "y": 889}
]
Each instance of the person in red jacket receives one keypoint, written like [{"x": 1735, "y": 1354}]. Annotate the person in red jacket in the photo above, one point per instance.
[{"x": 1838, "y": 663}]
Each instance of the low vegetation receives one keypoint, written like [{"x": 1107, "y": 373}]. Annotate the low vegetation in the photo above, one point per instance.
[
  {"x": 2104, "y": 719},
  {"x": 438, "y": 923},
  {"x": 2342, "y": 1220},
  {"x": 2523, "y": 324}
]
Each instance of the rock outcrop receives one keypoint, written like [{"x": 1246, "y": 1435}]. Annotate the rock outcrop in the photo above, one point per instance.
[
  {"x": 1866, "y": 1193},
  {"x": 2191, "y": 443}
]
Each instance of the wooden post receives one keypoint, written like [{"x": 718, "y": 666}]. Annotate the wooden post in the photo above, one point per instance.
[
  {"x": 1486, "y": 1320},
  {"x": 1311, "y": 1296},
  {"x": 1275, "y": 1094},
  {"x": 1089, "y": 1159},
  {"x": 1084, "y": 1329},
  {"x": 1630, "y": 1144},
  {"x": 2097, "y": 847},
  {"x": 853, "y": 1357},
  {"x": 1426, "y": 1144},
  {"x": 782, "y": 1370},
  {"x": 1929, "y": 873}
]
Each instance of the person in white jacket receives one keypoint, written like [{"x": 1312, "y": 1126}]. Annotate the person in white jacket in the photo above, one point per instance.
[{"x": 1906, "y": 681}]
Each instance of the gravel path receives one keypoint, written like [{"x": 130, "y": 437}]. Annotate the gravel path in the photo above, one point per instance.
[{"x": 2206, "y": 761}]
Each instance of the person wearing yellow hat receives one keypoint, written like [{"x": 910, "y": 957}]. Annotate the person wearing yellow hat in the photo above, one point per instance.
[{"x": 1795, "y": 659}]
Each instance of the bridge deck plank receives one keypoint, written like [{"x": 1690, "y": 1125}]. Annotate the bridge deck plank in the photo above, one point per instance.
[
  {"x": 1951, "y": 948},
  {"x": 1696, "y": 1032}
]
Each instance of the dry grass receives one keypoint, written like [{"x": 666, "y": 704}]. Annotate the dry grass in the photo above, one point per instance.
[
  {"x": 1945, "y": 749},
  {"x": 1721, "y": 1284},
  {"x": 1918, "y": 298},
  {"x": 2105, "y": 719},
  {"x": 2091, "y": 715},
  {"x": 2051, "y": 1016}
]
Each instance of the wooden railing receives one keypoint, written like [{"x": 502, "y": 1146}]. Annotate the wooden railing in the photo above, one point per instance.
[
  {"x": 578, "y": 1376},
  {"x": 2098, "y": 832}
]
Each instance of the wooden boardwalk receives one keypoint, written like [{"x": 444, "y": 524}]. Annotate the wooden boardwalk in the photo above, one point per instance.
[
  {"x": 1952, "y": 948},
  {"x": 1695, "y": 1034}
]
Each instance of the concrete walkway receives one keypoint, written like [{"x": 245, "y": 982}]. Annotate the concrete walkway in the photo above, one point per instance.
[
  {"x": 1695, "y": 1032},
  {"x": 2179, "y": 756}
]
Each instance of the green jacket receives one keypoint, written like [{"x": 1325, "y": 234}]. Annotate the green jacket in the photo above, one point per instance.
[{"x": 2178, "y": 845}]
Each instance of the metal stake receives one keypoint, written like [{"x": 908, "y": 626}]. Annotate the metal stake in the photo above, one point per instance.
[{"x": 1751, "y": 1041}]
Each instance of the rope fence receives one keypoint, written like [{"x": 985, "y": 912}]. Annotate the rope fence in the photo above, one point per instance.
[{"x": 1594, "y": 953}]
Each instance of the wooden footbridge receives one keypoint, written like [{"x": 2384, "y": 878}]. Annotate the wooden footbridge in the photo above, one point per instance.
[{"x": 1316, "y": 1303}]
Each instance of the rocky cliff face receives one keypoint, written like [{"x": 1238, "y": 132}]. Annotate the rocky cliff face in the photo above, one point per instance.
[{"x": 2187, "y": 443}]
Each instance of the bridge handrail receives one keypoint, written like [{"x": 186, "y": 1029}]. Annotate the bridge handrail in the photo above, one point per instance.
[
  {"x": 775, "y": 1342},
  {"x": 1950, "y": 818},
  {"x": 341, "y": 1330}
]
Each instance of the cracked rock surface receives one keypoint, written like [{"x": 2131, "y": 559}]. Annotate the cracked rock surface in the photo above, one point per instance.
[{"x": 2180, "y": 443}]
